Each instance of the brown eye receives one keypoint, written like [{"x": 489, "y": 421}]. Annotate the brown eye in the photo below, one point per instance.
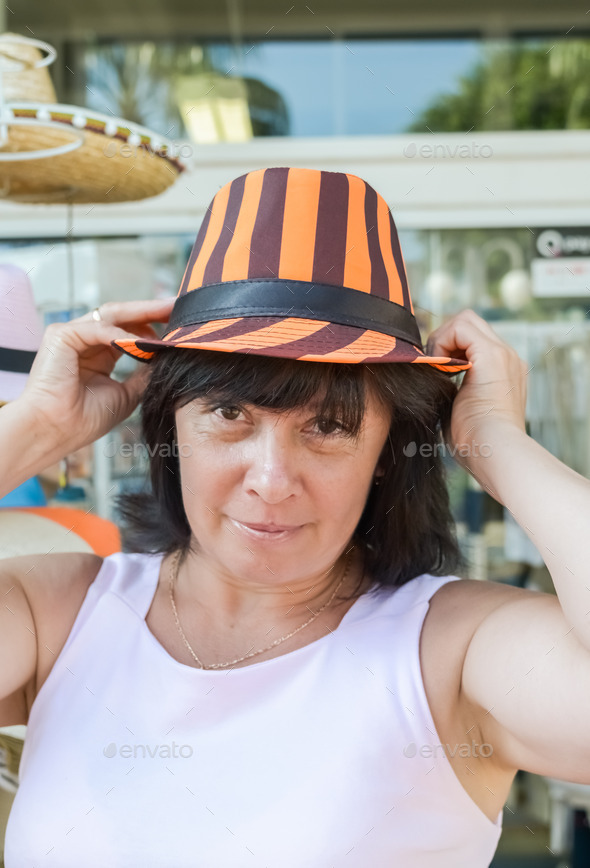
[
  {"x": 326, "y": 426},
  {"x": 230, "y": 414}
]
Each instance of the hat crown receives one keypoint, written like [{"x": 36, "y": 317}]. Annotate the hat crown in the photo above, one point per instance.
[
  {"x": 301, "y": 264},
  {"x": 325, "y": 228},
  {"x": 22, "y": 80}
]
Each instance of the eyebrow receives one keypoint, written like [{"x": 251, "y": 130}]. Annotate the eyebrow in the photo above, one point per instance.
[{"x": 214, "y": 396}]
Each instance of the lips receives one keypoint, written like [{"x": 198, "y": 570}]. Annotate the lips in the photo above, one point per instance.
[{"x": 267, "y": 531}]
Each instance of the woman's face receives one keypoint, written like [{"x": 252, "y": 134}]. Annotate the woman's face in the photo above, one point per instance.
[{"x": 274, "y": 497}]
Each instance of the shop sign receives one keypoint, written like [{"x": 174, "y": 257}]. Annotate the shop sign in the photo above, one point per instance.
[{"x": 562, "y": 266}]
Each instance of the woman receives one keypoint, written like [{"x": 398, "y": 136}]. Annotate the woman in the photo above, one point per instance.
[{"x": 294, "y": 676}]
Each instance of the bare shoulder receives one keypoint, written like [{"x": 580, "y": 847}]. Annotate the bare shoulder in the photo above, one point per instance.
[
  {"x": 470, "y": 600},
  {"x": 455, "y": 612},
  {"x": 51, "y": 581},
  {"x": 55, "y": 586}
]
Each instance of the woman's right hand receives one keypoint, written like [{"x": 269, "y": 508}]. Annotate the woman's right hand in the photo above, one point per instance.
[{"x": 70, "y": 393}]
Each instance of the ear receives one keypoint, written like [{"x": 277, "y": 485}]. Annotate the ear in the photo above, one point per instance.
[{"x": 378, "y": 475}]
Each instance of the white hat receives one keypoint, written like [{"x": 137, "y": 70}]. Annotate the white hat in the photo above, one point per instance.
[{"x": 21, "y": 330}]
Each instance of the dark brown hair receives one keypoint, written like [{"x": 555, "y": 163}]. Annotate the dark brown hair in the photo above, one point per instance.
[{"x": 406, "y": 528}]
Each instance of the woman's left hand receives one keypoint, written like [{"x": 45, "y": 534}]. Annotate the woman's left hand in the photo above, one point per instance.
[{"x": 492, "y": 394}]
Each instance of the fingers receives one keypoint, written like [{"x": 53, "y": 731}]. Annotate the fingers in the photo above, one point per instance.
[
  {"x": 132, "y": 313},
  {"x": 127, "y": 396},
  {"x": 118, "y": 320},
  {"x": 133, "y": 316},
  {"x": 81, "y": 336},
  {"x": 458, "y": 336},
  {"x": 70, "y": 386},
  {"x": 145, "y": 331},
  {"x": 135, "y": 385}
]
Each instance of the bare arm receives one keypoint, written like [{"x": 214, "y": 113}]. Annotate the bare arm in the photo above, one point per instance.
[
  {"x": 26, "y": 447},
  {"x": 535, "y": 652},
  {"x": 530, "y": 677},
  {"x": 551, "y": 502},
  {"x": 70, "y": 400},
  {"x": 528, "y": 663},
  {"x": 18, "y": 645},
  {"x": 41, "y": 596}
]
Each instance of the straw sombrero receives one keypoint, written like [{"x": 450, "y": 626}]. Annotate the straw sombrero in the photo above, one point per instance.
[
  {"x": 78, "y": 155},
  {"x": 21, "y": 331},
  {"x": 300, "y": 264}
]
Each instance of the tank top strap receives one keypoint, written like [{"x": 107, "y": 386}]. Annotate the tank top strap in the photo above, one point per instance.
[
  {"x": 397, "y": 600},
  {"x": 423, "y": 588},
  {"x": 131, "y": 577},
  {"x": 134, "y": 579}
]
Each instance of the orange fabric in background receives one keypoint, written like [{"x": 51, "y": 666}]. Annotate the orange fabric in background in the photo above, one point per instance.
[{"x": 100, "y": 533}]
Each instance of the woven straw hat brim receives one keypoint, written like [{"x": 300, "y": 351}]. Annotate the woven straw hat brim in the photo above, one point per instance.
[
  {"x": 117, "y": 161},
  {"x": 292, "y": 338},
  {"x": 40, "y": 530}
]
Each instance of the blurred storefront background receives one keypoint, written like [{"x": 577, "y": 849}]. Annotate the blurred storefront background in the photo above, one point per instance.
[
  {"x": 474, "y": 124},
  {"x": 472, "y": 121}
]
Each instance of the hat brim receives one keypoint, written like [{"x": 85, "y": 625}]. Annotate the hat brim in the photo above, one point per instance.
[
  {"x": 291, "y": 338},
  {"x": 117, "y": 161},
  {"x": 40, "y": 530}
]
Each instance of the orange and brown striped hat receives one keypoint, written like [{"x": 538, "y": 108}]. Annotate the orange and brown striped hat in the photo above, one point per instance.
[{"x": 301, "y": 264}]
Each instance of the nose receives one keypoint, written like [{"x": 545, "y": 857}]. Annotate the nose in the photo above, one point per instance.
[{"x": 273, "y": 465}]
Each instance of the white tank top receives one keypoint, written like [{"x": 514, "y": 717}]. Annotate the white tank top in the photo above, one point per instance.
[{"x": 324, "y": 757}]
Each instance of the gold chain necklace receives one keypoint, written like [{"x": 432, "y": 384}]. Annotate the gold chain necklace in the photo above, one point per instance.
[{"x": 174, "y": 576}]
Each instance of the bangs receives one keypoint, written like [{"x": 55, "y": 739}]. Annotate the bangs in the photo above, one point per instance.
[
  {"x": 335, "y": 391},
  {"x": 397, "y": 544}
]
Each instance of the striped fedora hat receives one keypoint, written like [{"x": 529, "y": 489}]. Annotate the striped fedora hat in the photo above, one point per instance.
[{"x": 300, "y": 264}]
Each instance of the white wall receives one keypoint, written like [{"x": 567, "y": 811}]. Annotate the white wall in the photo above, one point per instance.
[{"x": 429, "y": 181}]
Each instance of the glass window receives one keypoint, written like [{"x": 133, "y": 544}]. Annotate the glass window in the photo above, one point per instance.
[{"x": 216, "y": 91}]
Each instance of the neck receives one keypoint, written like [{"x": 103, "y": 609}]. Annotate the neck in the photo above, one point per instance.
[{"x": 231, "y": 602}]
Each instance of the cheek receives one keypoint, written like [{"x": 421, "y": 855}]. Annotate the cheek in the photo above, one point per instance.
[
  {"x": 201, "y": 496},
  {"x": 343, "y": 492},
  {"x": 210, "y": 476}
]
